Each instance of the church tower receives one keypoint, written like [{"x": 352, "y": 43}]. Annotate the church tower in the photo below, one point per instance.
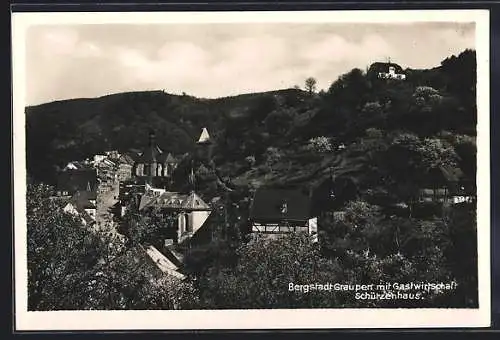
[
  {"x": 150, "y": 162},
  {"x": 204, "y": 147}
]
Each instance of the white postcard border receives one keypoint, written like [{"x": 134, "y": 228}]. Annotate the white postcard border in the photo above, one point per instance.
[{"x": 252, "y": 319}]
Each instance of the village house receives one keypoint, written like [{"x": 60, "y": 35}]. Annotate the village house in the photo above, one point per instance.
[
  {"x": 189, "y": 210},
  {"x": 125, "y": 164},
  {"x": 83, "y": 205},
  {"x": 280, "y": 211},
  {"x": 78, "y": 165},
  {"x": 71, "y": 181},
  {"x": 112, "y": 154},
  {"x": 447, "y": 185},
  {"x": 107, "y": 174}
]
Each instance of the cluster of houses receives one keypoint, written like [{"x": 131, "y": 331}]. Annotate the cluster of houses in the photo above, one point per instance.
[{"x": 145, "y": 179}]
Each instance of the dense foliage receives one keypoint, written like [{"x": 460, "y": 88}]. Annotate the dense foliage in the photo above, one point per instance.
[
  {"x": 380, "y": 142},
  {"x": 72, "y": 267}
]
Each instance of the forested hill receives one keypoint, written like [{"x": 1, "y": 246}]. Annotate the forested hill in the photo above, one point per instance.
[{"x": 249, "y": 128}]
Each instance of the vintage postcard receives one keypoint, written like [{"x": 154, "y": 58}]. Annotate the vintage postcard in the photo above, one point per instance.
[{"x": 251, "y": 170}]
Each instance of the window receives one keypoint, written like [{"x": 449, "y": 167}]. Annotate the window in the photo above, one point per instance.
[
  {"x": 182, "y": 223},
  {"x": 147, "y": 170},
  {"x": 189, "y": 224}
]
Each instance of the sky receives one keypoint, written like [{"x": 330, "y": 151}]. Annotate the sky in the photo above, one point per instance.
[{"x": 218, "y": 60}]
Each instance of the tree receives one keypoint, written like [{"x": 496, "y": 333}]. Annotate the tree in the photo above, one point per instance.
[
  {"x": 279, "y": 121},
  {"x": 151, "y": 226},
  {"x": 61, "y": 251},
  {"x": 272, "y": 157},
  {"x": 310, "y": 84},
  {"x": 320, "y": 144},
  {"x": 130, "y": 280},
  {"x": 264, "y": 271},
  {"x": 73, "y": 268},
  {"x": 372, "y": 248}
]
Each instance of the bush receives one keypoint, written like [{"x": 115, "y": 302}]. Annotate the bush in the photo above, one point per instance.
[{"x": 320, "y": 144}]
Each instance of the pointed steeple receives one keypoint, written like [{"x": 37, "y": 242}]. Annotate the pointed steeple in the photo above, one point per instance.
[
  {"x": 192, "y": 178},
  {"x": 204, "y": 137}
]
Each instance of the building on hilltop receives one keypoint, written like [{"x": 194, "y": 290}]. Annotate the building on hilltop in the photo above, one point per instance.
[
  {"x": 281, "y": 211},
  {"x": 387, "y": 70}
]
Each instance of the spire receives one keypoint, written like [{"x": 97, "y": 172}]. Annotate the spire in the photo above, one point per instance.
[
  {"x": 192, "y": 178},
  {"x": 204, "y": 137}
]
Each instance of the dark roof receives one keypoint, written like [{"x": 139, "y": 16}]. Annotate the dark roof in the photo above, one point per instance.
[
  {"x": 452, "y": 174},
  {"x": 82, "y": 200},
  {"x": 267, "y": 205},
  {"x": 152, "y": 153},
  {"x": 77, "y": 180},
  {"x": 127, "y": 159},
  {"x": 384, "y": 67},
  {"x": 446, "y": 174},
  {"x": 79, "y": 165}
]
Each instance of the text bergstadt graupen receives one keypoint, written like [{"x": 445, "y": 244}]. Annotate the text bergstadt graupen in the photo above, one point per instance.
[{"x": 382, "y": 291}]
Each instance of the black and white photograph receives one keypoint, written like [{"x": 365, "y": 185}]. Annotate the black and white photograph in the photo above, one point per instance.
[{"x": 251, "y": 170}]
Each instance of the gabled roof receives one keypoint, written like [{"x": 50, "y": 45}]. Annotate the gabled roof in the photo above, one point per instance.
[
  {"x": 267, "y": 205},
  {"x": 152, "y": 152},
  {"x": 194, "y": 202},
  {"x": 202, "y": 170},
  {"x": 173, "y": 200},
  {"x": 170, "y": 159},
  {"x": 126, "y": 159},
  {"x": 384, "y": 67},
  {"x": 451, "y": 174},
  {"x": 446, "y": 174},
  {"x": 146, "y": 199},
  {"x": 162, "y": 262},
  {"x": 77, "y": 180},
  {"x": 83, "y": 200},
  {"x": 76, "y": 165}
]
